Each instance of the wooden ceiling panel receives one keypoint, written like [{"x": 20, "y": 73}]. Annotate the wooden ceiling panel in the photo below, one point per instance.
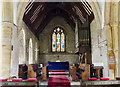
[{"x": 39, "y": 14}]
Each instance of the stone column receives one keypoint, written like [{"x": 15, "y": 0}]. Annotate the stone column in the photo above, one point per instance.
[
  {"x": 114, "y": 25},
  {"x": 76, "y": 34},
  {"x": 6, "y": 39},
  {"x": 115, "y": 46},
  {"x": 119, "y": 42},
  {"x": 15, "y": 52},
  {"x": 110, "y": 47},
  {"x": 108, "y": 33},
  {"x": 111, "y": 24}
]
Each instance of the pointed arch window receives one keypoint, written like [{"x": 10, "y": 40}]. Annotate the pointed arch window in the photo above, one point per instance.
[{"x": 58, "y": 40}]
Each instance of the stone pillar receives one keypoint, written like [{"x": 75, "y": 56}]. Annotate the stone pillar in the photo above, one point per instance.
[
  {"x": 114, "y": 25},
  {"x": 111, "y": 24},
  {"x": 0, "y": 37},
  {"x": 119, "y": 42},
  {"x": 15, "y": 52},
  {"x": 110, "y": 47},
  {"x": 108, "y": 29},
  {"x": 6, "y": 39},
  {"x": 115, "y": 46},
  {"x": 76, "y": 34}
]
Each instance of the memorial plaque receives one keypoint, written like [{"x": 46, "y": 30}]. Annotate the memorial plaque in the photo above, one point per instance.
[{"x": 111, "y": 61}]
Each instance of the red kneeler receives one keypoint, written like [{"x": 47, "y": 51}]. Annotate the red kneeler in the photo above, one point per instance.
[
  {"x": 117, "y": 78},
  {"x": 32, "y": 79},
  {"x": 104, "y": 79},
  {"x": 3, "y": 80},
  {"x": 92, "y": 79},
  {"x": 17, "y": 79}
]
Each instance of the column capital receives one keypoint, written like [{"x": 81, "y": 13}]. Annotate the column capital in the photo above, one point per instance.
[
  {"x": 114, "y": 23},
  {"x": 8, "y": 24}
]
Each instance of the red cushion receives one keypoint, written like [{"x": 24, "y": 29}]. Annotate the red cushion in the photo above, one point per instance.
[
  {"x": 117, "y": 78},
  {"x": 3, "y": 79},
  {"x": 17, "y": 79},
  {"x": 104, "y": 78},
  {"x": 32, "y": 79},
  {"x": 92, "y": 79}
]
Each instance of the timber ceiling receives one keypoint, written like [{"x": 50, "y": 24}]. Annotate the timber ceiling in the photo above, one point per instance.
[{"x": 38, "y": 14}]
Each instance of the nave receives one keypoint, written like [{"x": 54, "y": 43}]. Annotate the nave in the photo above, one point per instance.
[{"x": 76, "y": 42}]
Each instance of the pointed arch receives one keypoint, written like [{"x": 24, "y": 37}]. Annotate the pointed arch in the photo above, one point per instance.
[
  {"x": 22, "y": 48},
  {"x": 30, "y": 51}
]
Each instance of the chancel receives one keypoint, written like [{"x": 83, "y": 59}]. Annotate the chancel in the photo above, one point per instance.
[{"x": 60, "y": 43}]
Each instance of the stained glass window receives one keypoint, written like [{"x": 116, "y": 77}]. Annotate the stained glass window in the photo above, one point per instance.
[{"x": 58, "y": 40}]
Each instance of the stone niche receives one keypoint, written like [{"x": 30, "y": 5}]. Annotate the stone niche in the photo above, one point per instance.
[{"x": 46, "y": 53}]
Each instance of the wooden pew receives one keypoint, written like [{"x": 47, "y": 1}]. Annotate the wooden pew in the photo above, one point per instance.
[
  {"x": 44, "y": 75},
  {"x": 86, "y": 72},
  {"x": 72, "y": 72},
  {"x": 31, "y": 72}
]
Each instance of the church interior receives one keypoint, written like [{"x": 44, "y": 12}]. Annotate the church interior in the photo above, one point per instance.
[{"x": 59, "y": 44}]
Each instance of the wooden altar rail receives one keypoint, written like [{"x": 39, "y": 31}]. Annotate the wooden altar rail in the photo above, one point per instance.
[{"x": 72, "y": 72}]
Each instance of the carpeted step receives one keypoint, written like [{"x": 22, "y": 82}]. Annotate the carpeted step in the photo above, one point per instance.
[{"x": 59, "y": 80}]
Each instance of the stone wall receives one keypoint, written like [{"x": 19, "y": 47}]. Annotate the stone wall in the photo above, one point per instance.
[
  {"x": 35, "y": 44},
  {"x": 99, "y": 40},
  {"x": 20, "y": 50},
  {"x": 45, "y": 43}
]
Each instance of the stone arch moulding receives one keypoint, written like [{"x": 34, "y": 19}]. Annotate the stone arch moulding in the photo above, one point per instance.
[{"x": 63, "y": 27}]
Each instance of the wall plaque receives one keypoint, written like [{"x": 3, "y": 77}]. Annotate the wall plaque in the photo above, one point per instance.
[{"x": 111, "y": 61}]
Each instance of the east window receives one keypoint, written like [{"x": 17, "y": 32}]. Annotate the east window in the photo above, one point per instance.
[{"x": 58, "y": 40}]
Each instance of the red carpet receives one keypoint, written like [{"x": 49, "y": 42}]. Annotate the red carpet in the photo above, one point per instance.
[{"x": 58, "y": 80}]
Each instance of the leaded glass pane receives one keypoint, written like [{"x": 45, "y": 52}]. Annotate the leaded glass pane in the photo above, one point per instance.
[
  {"x": 53, "y": 42},
  {"x": 58, "y": 42},
  {"x": 62, "y": 42}
]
